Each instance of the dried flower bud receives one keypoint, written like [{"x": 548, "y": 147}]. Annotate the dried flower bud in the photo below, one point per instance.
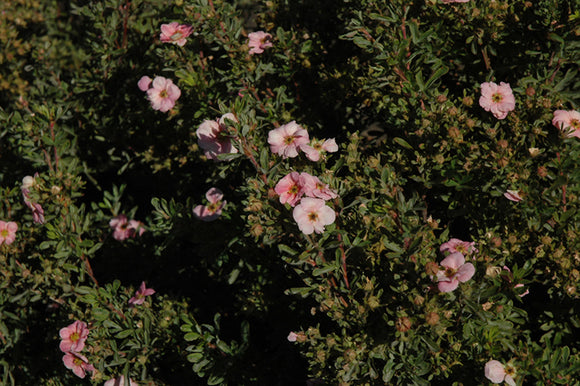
[
  {"x": 432, "y": 318},
  {"x": 492, "y": 271},
  {"x": 542, "y": 171},
  {"x": 487, "y": 306},
  {"x": 431, "y": 268},
  {"x": 441, "y": 98},
  {"x": 403, "y": 324},
  {"x": 467, "y": 101}
]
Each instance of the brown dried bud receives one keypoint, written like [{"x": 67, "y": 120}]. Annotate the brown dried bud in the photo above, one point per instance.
[
  {"x": 530, "y": 91},
  {"x": 542, "y": 171},
  {"x": 403, "y": 324},
  {"x": 492, "y": 271},
  {"x": 441, "y": 98},
  {"x": 432, "y": 318},
  {"x": 431, "y": 268},
  {"x": 496, "y": 242},
  {"x": 502, "y": 144},
  {"x": 467, "y": 101}
]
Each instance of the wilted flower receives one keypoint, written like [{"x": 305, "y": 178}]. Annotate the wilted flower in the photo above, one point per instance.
[
  {"x": 292, "y": 337},
  {"x": 312, "y": 214},
  {"x": 496, "y": 373},
  {"x": 8, "y": 232},
  {"x": 175, "y": 33},
  {"x": 120, "y": 381},
  {"x": 162, "y": 94},
  {"x": 290, "y": 188},
  {"x": 140, "y": 294},
  {"x": 456, "y": 271},
  {"x": 213, "y": 138},
  {"x": 316, "y": 148},
  {"x": 287, "y": 139},
  {"x": 568, "y": 122},
  {"x": 213, "y": 210},
  {"x": 499, "y": 100},
  {"x": 73, "y": 336},
  {"x": 27, "y": 182},
  {"x": 37, "y": 211},
  {"x": 513, "y": 195},
  {"x": 78, "y": 363},
  {"x": 456, "y": 245},
  {"x": 259, "y": 41}
]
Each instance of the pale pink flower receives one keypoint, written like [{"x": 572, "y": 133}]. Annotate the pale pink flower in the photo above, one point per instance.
[
  {"x": 120, "y": 381},
  {"x": 496, "y": 373},
  {"x": 120, "y": 225},
  {"x": 73, "y": 336},
  {"x": 27, "y": 182},
  {"x": 175, "y": 33},
  {"x": 8, "y": 232},
  {"x": 568, "y": 122},
  {"x": 290, "y": 189},
  {"x": 456, "y": 245},
  {"x": 316, "y": 149},
  {"x": 292, "y": 337},
  {"x": 287, "y": 139},
  {"x": 259, "y": 41},
  {"x": 213, "y": 137},
  {"x": 513, "y": 195},
  {"x": 313, "y": 187},
  {"x": 78, "y": 363},
  {"x": 163, "y": 94},
  {"x": 312, "y": 214},
  {"x": 144, "y": 83},
  {"x": 212, "y": 210},
  {"x": 37, "y": 211},
  {"x": 456, "y": 271},
  {"x": 140, "y": 294},
  {"x": 136, "y": 227},
  {"x": 499, "y": 100}
]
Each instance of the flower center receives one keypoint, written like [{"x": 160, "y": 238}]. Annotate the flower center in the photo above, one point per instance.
[
  {"x": 176, "y": 36},
  {"x": 288, "y": 140},
  {"x": 449, "y": 272},
  {"x": 293, "y": 189},
  {"x": 312, "y": 216},
  {"x": 77, "y": 361},
  {"x": 74, "y": 336},
  {"x": 163, "y": 94},
  {"x": 575, "y": 123},
  {"x": 461, "y": 248},
  {"x": 213, "y": 207},
  {"x": 497, "y": 97},
  {"x": 4, "y": 233}
]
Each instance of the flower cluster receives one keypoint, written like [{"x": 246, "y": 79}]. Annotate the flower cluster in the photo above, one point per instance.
[
  {"x": 162, "y": 93},
  {"x": 175, "y": 33},
  {"x": 124, "y": 228},
  {"x": 498, "y": 373},
  {"x": 213, "y": 138},
  {"x": 499, "y": 100},
  {"x": 259, "y": 41},
  {"x": 568, "y": 121},
  {"x": 213, "y": 209},
  {"x": 73, "y": 339},
  {"x": 7, "y": 232},
  {"x": 455, "y": 269},
  {"x": 139, "y": 297},
  {"x": 288, "y": 139}
]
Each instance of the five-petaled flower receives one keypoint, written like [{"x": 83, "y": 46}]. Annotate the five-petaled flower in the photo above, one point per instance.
[
  {"x": 175, "y": 33},
  {"x": 497, "y": 373},
  {"x": 140, "y": 294},
  {"x": 78, "y": 363},
  {"x": 124, "y": 228},
  {"x": 312, "y": 214},
  {"x": 455, "y": 270},
  {"x": 456, "y": 245},
  {"x": 162, "y": 93},
  {"x": 317, "y": 148},
  {"x": 313, "y": 187},
  {"x": 213, "y": 137},
  {"x": 259, "y": 41},
  {"x": 213, "y": 209},
  {"x": 73, "y": 336},
  {"x": 568, "y": 121},
  {"x": 290, "y": 188},
  {"x": 498, "y": 99},
  {"x": 287, "y": 139},
  {"x": 8, "y": 232},
  {"x": 513, "y": 195}
]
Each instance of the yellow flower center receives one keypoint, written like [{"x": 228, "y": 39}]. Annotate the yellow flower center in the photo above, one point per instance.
[
  {"x": 163, "y": 94},
  {"x": 312, "y": 216},
  {"x": 497, "y": 97},
  {"x": 74, "y": 336}
]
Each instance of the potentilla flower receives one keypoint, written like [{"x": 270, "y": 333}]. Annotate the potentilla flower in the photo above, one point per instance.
[
  {"x": 78, "y": 363},
  {"x": 292, "y": 336},
  {"x": 8, "y": 232},
  {"x": 290, "y": 188},
  {"x": 513, "y": 195},
  {"x": 456, "y": 271},
  {"x": 213, "y": 138},
  {"x": 144, "y": 83},
  {"x": 27, "y": 182},
  {"x": 568, "y": 121},
  {"x": 497, "y": 373},
  {"x": 163, "y": 94},
  {"x": 313, "y": 187},
  {"x": 73, "y": 336},
  {"x": 140, "y": 294},
  {"x": 175, "y": 33},
  {"x": 212, "y": 210},
  {"x": 120, "y": 225},
  {"x": 499, "y": 100},
  {"x": 287, "y": 139},
  {"x": 312, "y": 214},
  {"x": 120, "y": 381},
  {"x": 259, "y": 41},
  {"x": 456, "y": 245},
  {"x": 316, "y": 149}
]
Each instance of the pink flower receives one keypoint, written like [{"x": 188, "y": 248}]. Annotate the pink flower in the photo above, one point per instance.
[
  {"x": 259, "y": 41},
  {"x": 213, "y": 137},
  {"x": 213, "y": 210},
  {"x": 37, "y": 211},
  {"x": 175, "y": 33},
  {"x": 568, "y": 122},
  {"x": 313, "y": 187},
  {"x": 287, "y": 139},
  {"x": 456, "y": 270},
  {"x": 162, "y": 94},
  {"x": 519, "y": 285},
  {"x": 8, "y": 232},
  {"x": 123, "y": 228},
  {"x": 312, "y": 215},
  {"x": 496, "y": 373},
  {"x": 499, "y": 100},
  {"x": 456, "y": 245},
  {"x": 78, "y": 363},
  {"x": 73, "y": 336},
  {"x": 317, "y": 148},
  {"x": 120, "y": 381},
  {"x": 290, "y": 189},
  {"x": 513, "y": 195},
  {"x": 144, "y": 83},
  {"x": 292, "y": 337},
  {"x": 140, "y": 294}
]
